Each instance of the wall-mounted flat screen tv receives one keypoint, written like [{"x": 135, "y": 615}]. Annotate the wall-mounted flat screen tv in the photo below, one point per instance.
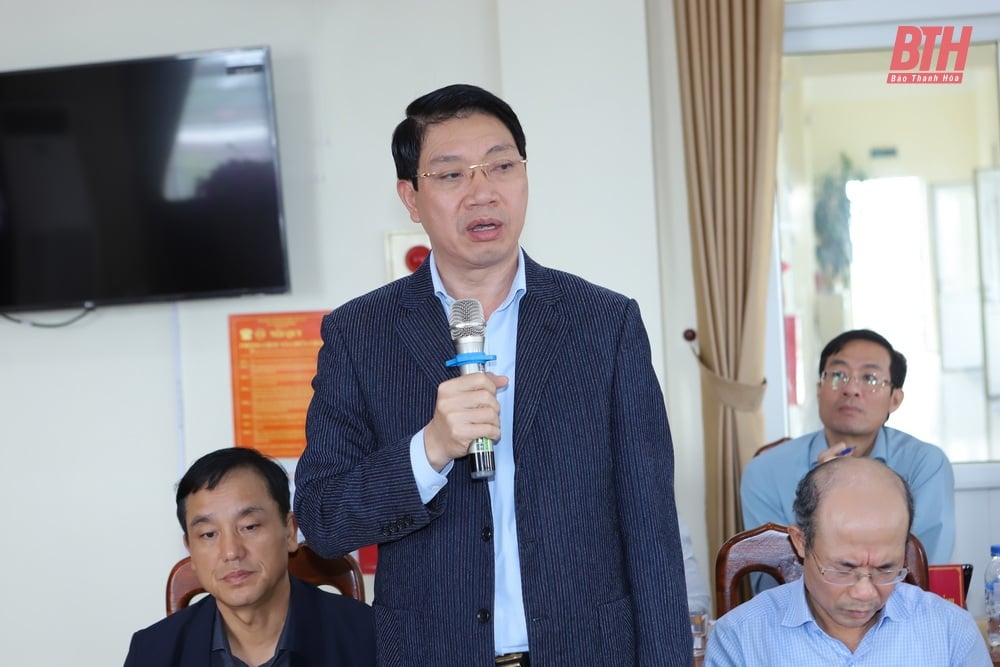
[{"x": 148, "y": 179}]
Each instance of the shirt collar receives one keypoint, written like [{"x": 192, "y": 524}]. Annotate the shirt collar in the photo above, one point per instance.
[
  {"x": 220, "y": 642},
  {"x": 895, "y": 607},
  {"x": 880, "y": 450},
  {"x": 517, "y": 288},
  {"x": 798, "y": 613}
]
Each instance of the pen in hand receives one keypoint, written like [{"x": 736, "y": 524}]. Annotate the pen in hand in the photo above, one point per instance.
[{"x": 846, "y": 451}]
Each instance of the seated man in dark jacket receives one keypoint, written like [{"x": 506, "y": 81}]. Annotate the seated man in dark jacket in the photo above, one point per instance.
[{"x": 233, "y": 506}]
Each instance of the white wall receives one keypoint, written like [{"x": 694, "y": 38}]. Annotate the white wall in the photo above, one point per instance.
[
  {"x": 676, "y": 275},
  {"x": 99, "y": 419}
]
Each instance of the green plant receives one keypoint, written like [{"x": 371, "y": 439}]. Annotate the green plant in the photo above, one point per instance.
[{"x": 832, "y": 226}]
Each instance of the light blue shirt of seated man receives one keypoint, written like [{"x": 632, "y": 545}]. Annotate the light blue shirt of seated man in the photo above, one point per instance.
[
  {"x": 767, "y": 489},
  {"x": 852, "y": 518},
  {"x": 510, "y": 629},
  {"x": 776, "y": 627}
]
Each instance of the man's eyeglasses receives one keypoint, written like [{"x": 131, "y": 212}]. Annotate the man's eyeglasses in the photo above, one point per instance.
[
  {"x": 834, "y": 380},
  {"x": 851, "y": 577},
  {"x": 501, "y": 170}
]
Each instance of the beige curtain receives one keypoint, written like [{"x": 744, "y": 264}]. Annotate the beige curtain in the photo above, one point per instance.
[{"x": 729, "y": 55}]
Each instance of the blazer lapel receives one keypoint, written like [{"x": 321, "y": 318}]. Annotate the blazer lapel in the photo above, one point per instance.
[
  {"x": 195, "y": 643},
  {"x": 541, "y": 331},
  {"x": 309, "y": 638},
  {"x": 423, "y": 328},
  {"x": 423, "y": 331}
]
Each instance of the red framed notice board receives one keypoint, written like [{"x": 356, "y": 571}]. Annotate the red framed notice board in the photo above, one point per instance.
[
  {"x": 948, "y": 581},
  {"x": 273, "y": 361}
]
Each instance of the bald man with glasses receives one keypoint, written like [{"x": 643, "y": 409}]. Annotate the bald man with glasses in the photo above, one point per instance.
[
  {"x": 850, "y": 607},
  {"x": 860, "y": 385}
]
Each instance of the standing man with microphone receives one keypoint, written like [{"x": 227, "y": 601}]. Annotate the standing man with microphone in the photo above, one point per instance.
[{"x": 570, "y": 554}]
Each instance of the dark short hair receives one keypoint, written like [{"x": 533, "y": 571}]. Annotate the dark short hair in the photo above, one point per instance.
[
  {"x": 897, "y": 362},
  {"x": 458, "y": 100},
  {"x": 208, "y": 471},
  {"x": 814, "y": 485}
]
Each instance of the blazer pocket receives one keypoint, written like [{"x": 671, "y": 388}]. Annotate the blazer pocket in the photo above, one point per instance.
[
  {"x": 617, "y": 621},
  {"x": 397, "y": 636}
]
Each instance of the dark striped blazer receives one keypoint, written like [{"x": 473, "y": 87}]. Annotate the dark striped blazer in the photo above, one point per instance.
[{"x": 602, "y": 571}]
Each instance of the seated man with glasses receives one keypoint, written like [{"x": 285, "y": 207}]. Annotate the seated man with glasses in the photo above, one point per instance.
[
  {"x": 850, "y": 607},
  {"x": 860, "y": 385}
]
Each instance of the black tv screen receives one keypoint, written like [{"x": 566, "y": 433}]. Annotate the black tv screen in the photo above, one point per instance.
[{"x": 141, "y": 180}]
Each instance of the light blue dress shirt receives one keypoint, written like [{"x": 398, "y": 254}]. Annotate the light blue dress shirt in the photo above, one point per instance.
[
  {"x": 767, "y": 489},
  {"x": 510, "y": 629},
  {"x": 915, "y": 627}
]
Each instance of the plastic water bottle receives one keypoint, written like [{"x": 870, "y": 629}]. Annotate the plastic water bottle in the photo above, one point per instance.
[{"x": 993, "y": 596}]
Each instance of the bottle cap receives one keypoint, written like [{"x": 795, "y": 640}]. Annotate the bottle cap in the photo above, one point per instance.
[{"x": 995, "y": 550}]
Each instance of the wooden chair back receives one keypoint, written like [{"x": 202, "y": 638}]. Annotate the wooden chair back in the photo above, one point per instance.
[
  {"x": 343, "y": 574},
  {"x": 769, "y": 549}
]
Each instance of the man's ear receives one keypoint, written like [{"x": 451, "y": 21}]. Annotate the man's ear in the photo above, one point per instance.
[
  {"x": 408, "y": 195},
  {"x": 895, "y": 400},
  {"x": 292, "y": 528},
  {"x": 187, "y": 545},
  {"x": 798, "y": 540}
]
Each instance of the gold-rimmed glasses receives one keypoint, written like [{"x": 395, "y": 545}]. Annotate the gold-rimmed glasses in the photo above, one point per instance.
[
  {"x": 851, "y": 577},
  {"x": 871, "y": 382},
  {"x": 501, "y": 170}
]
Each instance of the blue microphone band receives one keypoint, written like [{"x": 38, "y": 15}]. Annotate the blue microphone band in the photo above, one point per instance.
[{"x": 467, "y": 358}]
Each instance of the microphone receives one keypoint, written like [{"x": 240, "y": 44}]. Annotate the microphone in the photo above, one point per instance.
[{"x": 468, "y": 331}]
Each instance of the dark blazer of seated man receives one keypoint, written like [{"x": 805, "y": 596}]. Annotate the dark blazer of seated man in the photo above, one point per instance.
[{"x": 234, "y": 508}]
